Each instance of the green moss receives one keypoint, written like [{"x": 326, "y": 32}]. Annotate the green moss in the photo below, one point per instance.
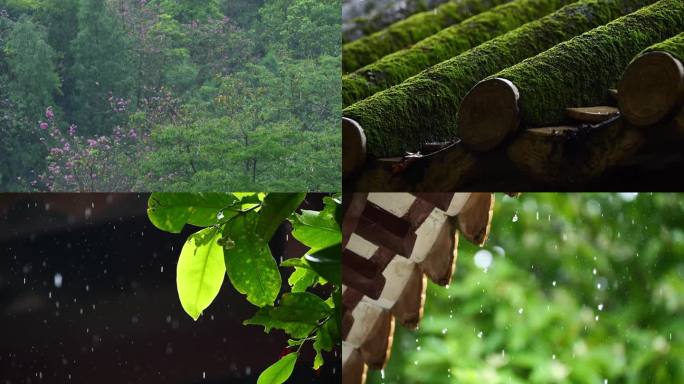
[
  {"x": 397, "y": 67},
  {"x": 378, "y": 19},
  {"x": 424, "y": 107},
  {"x": 673, "y": 46},
  {"x": 580, "y": 71},
  {"x": 409, "y": 31}
]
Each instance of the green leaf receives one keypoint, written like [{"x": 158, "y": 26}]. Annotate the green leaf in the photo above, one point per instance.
[
  {"x": 298, "y": 314},
  {"x": 316, "y": 230},
  {"x": 200, "y": 271},
  {"x": 326, "y": 263},
  {"x": 302, "y": 278},
  {"x": 280, "y": 371},
  {"x": 171, "y": 211},
  {"x": 324, "y": 341},
  {"x": 250, "y": 265},
  {"x": 276, "y": 208},
  {"x": 295, "y": 262}
]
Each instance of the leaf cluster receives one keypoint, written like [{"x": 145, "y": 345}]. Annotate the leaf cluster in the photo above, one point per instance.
[{"x": 234, "y": 241}]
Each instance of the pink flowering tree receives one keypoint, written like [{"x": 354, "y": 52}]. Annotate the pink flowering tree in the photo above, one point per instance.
[{"x": 89, "y": 164}]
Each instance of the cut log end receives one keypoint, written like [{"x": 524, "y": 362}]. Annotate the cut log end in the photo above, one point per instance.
[
  {"x": 408, "y": 310},
  {"x": 488, "y": 114},
  {"x": 353, "y": 147},
  {"x": 651, "y": 88},
  {"x": 354, "y": 369},
  {"x": 476, "y": 217},
  {"x": 592, "y": 114},
  {"x": 376, "y": 349}
]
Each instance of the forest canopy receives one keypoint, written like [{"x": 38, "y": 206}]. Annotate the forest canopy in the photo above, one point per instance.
[{"x": 121, "y": 95}]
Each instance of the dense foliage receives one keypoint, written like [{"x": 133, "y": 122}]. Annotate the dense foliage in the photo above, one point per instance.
[
  {"x": 581, "y": 288},
  {"x": 234, "y": 241},
  {"x": 220, "y": 95}
]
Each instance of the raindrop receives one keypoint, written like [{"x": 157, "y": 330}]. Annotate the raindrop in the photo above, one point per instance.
[
  {"x": 553, "y": 356},
  {"x": 596, "y": 318},
  {"x": 554, "y": 283},
  {"x": 515, "y": 217},
  {"x": 162, "y": 269},
  {"x": 219, "y": 216},
  {"x": 444, "y": 331},
  {"x": 520, "y": 311},
  {"x": 204, "y": 375},
  {"x": 594, "y": 271},
  {"x": 483, "y": 259},
  {"x": 50, "y": 295},
  {"x": 479, "y": 334},
  {"x": 58, "y": 280},
  {"x": 600, "y": 307},
  {"x": 382, "y": 374},
  {"x": 87, "y": 288}
]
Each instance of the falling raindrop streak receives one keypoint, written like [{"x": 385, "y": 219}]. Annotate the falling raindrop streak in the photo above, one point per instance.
[{"x": 58, "y": 280}]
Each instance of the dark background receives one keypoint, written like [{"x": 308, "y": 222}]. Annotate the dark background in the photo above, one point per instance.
[{"x": 116, "y": 317}]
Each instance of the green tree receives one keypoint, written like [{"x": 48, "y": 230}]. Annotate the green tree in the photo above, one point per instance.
[
  {"x": 102, "y": 67},
  {"x": 27, "y": 83},
  {"x": 186, "y": 11},
  {"x": 33, "y": 80}
]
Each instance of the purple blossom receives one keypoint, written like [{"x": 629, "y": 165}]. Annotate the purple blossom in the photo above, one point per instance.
[
  {"x": 43, "y": 125},
  {"x": 72, "y": 129},
  {"x": 49, "y": 113}
]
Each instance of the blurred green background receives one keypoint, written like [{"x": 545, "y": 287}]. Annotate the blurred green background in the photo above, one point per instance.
[{"x": 570, "y": 288}]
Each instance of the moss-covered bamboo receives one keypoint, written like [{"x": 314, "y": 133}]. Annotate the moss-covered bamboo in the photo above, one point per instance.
[
  {"x": 424, "y": 107},
  {"x": 410, "y": 31},
  {"x": 376, "y": 19},
  {"x": 652, "y": 86},
  {"x": 449, "y": 42},
  {"x": 580, "y": 71},
  {"x": 674, "y": 46}
]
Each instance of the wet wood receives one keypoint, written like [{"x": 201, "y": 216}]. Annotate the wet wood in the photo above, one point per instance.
[
  {"x": 572, "y": 156},
  {"x": 353, "y": 366},
  {"x": 440, "y": 262},
  {"x": 445, "y": 170},
  {"x": 592, "y": 114},
  {"x": 377, "y": 347},
  {"x": 651, "y": 89},
  {"x": 488, "y": 114},
  {"x": 408, "y": 309},
  {"x": 476, "y": 217}
]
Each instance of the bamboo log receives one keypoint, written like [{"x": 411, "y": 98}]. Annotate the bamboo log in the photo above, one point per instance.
[
  {"x": 576, "y": 72},
  {"x": 424, "y": 108},
  {"x": 592, "y": 114},
  {"x": 449, "y": 42},
  {"x": 652, "y": 86},
  {"x": 410, "y": 31},
  {"x": 375, "y": 20}
]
